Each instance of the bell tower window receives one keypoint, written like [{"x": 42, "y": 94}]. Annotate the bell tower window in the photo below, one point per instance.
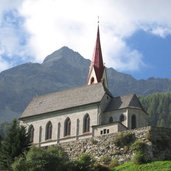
[{"x": 92, "y": 80}]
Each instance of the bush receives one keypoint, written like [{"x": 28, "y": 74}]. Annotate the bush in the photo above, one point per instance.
[
  {"x": 20, "y": 164},
  {"x": 138, "y": 146},
  {"x": 106, "y": 159},
  {"x": 124, "y": 139},
  {"x": 138, "y": 157},
  {"x": 113, "y": 163},
  {"x": 38, "y": 159},
  {"x": 84, "y": 163},
  {"x": 100, "y": 167}
]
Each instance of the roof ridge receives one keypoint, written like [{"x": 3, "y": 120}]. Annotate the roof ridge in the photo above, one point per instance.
[
  {"x": 66, "y": 90},
  {"x": 125, "y": 95}
]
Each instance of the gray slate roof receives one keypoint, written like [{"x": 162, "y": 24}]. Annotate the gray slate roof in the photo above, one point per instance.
[
  {"x": 121, "y": 102},
  {"x": 75, "y": 97}
]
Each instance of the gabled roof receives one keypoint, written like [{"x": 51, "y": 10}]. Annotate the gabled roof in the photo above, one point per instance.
[
  {"x": 65, "y": 99},
  {"x": 121, "y": 102}
]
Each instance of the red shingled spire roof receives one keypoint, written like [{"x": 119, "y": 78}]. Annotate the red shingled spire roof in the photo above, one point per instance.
[{"x": 97, "y": 61}]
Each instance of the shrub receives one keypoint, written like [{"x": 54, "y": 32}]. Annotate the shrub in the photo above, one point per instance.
[
  {"x": 38, "y": 159},
  {"x": 84, "y": 163},
  {"x": 113, "y": 163},
  {"x": 100, "y": 167},
  {"x": 20, "y": 164},
  {"x": 138, "y": 146},
  {"x": 138, "y": 157},
  {"x": 106, "y": 159},
  {"x": 124, "y": 139}
]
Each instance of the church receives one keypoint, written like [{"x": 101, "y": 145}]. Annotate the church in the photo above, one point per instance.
[{"x": 82, "y": 112}]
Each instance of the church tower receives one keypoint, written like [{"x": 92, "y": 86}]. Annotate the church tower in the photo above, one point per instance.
[{"x": 97, "y": 71}]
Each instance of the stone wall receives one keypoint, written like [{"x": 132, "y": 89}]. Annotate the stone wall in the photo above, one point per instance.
[{"x": 157, "y": 140}]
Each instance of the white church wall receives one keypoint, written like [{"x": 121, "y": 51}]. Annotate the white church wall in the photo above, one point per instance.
[
  {"x": 141, "y": 118},
  {"x": 59, "y": 117},
  {"x": 104, "y": 102},
  {"x": 108, "y": 129},
  {"x": 116, "y": 116}
]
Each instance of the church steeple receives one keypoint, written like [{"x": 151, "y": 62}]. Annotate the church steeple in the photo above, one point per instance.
[{"x": 97, "y": 71}]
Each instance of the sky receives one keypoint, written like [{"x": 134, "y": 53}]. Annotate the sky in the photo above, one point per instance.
[{"x": 135, "y": 34}]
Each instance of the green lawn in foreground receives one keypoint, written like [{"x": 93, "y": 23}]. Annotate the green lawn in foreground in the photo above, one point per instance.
[{"x": 153, "y": 166}]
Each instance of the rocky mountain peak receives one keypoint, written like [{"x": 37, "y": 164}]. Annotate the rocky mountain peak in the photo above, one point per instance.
[{"x": 63, "y": 53}]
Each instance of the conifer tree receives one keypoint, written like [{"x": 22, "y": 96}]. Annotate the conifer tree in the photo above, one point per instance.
[{"x": 13, "y": 145}]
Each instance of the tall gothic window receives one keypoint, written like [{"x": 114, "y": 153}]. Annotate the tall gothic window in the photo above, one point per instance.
[
  {"x": 133, "y": 122},
  {"x": 67, "y": 127},
  {"x": 48, "y": 134},
  {"x": 121, "y": 118},
  {"x": 86, "y": 123},
  {"x": 110, "y": 119},
  {"x": 31, "y": 133}
]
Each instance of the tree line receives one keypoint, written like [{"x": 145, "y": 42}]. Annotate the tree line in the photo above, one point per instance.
[{"x": 158, "y": 107}]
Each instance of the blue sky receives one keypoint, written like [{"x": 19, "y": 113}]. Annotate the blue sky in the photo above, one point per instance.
[
  {"x": 156, "y": 52},
  {"x": 135, "y": 36}
]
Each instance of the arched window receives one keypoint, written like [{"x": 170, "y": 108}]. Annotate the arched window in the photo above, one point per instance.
[
  {"x": 67, "y": 127},
  {"x": 92, "y": 80},
  {"x": 48, "y": 134},
  {"x": 86, "y": 123},
  {"x": 111, "y": 119},
  {"x": 121, "y": 118},
  {"x": 133, "y": 122},
  {"x": 31, "y": 133}
]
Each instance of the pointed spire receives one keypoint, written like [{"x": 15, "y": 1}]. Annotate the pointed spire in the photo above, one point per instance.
[
  {"x": 97, "y": 58},
  {"x": 97, "y": 70}
]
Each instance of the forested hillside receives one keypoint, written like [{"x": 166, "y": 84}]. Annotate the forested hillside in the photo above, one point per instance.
[{"x": 158, "y": 106}]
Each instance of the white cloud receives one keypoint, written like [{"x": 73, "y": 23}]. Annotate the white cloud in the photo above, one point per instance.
[
  {"x": 55, "y": 23},
  {"x": 13, "y": 46},
  {"x": 120, "y": 56},
  {"x": 160, "y": 31}
]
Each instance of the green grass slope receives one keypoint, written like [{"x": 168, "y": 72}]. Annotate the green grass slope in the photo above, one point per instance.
[{"x": 153, "y": 166}]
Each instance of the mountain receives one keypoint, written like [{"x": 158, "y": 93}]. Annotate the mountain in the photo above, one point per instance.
[{"x": 61, "y": 70}]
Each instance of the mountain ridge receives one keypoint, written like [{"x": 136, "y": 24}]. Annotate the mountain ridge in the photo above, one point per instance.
[{"x": 61, "y": 70}]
